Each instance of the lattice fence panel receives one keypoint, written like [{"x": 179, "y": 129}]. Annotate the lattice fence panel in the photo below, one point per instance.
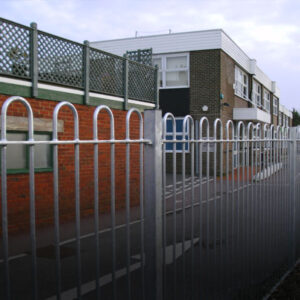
[
  {"x": 141, "y": 82},
  {"x": 143, "y": 56},
  {"x": 106, "y": 73},
  {"x": 60, "y": 60},
  {"x": 14, "y": 49}
]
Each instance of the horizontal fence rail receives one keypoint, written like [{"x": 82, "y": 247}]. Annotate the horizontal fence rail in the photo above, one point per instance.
[
  {"x": 159, "y": 208},
  {"x": 28, "y": 53}
]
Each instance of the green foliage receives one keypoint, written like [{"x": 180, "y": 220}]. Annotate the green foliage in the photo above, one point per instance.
[{"x": 296, "y": 117}]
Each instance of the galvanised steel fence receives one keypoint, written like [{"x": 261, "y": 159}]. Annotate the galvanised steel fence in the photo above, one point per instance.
[
  {"x": 230, "y": 210},
  {"x": 228, "y": 229},
  {"x": 28, "y": 53}
]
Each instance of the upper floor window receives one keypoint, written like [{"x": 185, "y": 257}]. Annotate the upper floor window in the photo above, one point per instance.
[
  {"x": 158, "y": 62},
  {"x": 280, "y": 119},
  {"x": 241, "y": 83},
  {"x": 275, "y": 106},
  {"x": 173, "y": 70},
  {"x": 267, "y": 100},
  {"x": 286, "y": 121},
  {"x": 256, "y": 93}
]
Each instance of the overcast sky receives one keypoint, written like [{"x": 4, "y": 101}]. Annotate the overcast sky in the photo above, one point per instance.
[{"x": 267, "y": 30}]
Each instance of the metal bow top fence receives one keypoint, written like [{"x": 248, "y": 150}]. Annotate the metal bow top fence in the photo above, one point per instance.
[
  {"x": 55, "y": 142},
  {"x": 31, "y": 54},
  {"x": 216, "y": 231}
]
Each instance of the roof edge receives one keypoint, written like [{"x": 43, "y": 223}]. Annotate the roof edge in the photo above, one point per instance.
[{"x": 156, "y": 35}]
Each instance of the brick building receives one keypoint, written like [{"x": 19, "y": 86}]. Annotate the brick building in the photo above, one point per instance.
[{"x": 205, "y": 73}]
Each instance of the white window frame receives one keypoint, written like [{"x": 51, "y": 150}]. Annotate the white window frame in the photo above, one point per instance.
[
  {"x": 170, "y": 134},
  {"x": 267, "y": 140},
  {"x": 279, "y": 118},
  {"x": 239, "y": 84},
  {"x": 286, "y": 121},
  {"x": 164, "y": 69},
  {"x": 275, "y": 106},
  {"x": 256, "y": 95},
  {"x": 267, "y": 100}
]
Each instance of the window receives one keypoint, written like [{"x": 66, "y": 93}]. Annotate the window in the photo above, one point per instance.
[
  {"x": 280, "y": 119},
  {"x": 285, "y": 120},
  {"x": 179, "y": 135},
  {"x": 173, "y": 70},
  {"x": 18, "y": 155},
  {"x": 275, "y": 106},
  {"x": 241, "y": 85},
  {"x": 157, "y": 62},
  {"x": 256, "y": 93},
  {"x": 267, "y": 100},
  {"x": 267, "y": 143}
]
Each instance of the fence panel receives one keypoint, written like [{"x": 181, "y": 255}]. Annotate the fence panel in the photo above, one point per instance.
[
  {"x": 230, "y": 228},
  {"x": 106, "y": 73},
  {"x": 141, "y": 82},
  {"x": 59, "y": 60},
  {"x": 101, "y": 257},
  {"x": 297, "y": 191},
  {"x": 28, "y": 53},
  {"x": 143, "y": 221},
  {"x": 14, "y": 49}
]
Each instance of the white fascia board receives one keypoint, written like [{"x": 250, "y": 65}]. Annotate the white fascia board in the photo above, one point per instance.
[
  {"x": 252, "y": 66},
  {"x": 251, "y": 114},
  {"x": 235, "y": 52},
  {"x": 165, "y": 43},
  {"x": 107, "y": 97},
  {"x": 275, "y": 89},
  {"x": 248, "y": 64},
  {"x": 137, "y": 102},
  {"x": 187, "y": 42},
  {"x": 15, "y": 81},
  {"x": 261, "y": 77},
  {"x": 59, "y": 89},
  {"x": 285, "y": 111}
]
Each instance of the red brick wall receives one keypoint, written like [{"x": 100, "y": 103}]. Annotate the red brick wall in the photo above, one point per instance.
[{"x": 18, "y": 184}]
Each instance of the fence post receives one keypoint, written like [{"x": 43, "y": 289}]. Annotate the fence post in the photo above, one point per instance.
[
  {"x": 153, "y": 205},
  {"x": 293, "y": 161},
  {"x": 197, "y": 147},
  {"x": 34, "y": 59},
  {"x": 86, "y": 71},
  {"x": 125, "y": 81},
  {"x": 156, "y": 88}
]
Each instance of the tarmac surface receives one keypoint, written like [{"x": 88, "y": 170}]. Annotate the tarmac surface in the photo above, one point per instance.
[
  {"x": 240, "y": 240},
  {"x": 289, "y": 289}
]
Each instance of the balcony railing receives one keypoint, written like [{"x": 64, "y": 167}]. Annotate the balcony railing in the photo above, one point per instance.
[{"x": 37, "y": 56}]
